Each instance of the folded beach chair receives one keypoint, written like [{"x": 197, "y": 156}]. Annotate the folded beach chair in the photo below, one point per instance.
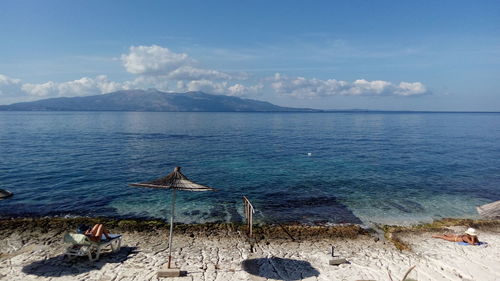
[{"x": 81, "y": 245}]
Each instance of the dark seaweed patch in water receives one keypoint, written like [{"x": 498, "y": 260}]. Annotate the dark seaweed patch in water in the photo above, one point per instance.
[
  {"x": 217, "y": 212},
  {"x": 55, "y": 210},
  {"x": 313, "y": 209},
  {"x": 192, "y": 213},
  {"x": 234, "y": 216},
  {"x": 395, "y": 205},
  {"x": 406, "y": 206},
  {"x": 221, "y": 212},
  {"x": 414, "y": 206}
]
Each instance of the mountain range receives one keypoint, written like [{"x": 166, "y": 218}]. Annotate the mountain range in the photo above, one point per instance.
[{"x": 151, "y": 100}]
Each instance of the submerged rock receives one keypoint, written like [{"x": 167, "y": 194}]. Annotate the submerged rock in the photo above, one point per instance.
[{"x": 5, "y": 193}]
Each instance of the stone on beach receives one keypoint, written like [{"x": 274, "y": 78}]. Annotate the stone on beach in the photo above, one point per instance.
[{"x": 491, "y": 210}]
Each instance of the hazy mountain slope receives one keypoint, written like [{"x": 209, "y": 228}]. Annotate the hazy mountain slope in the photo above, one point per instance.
[{"x": 149, "y": 100}]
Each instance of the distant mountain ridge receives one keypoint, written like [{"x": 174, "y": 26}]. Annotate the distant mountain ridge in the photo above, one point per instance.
[{"x": 151, "y": 100}]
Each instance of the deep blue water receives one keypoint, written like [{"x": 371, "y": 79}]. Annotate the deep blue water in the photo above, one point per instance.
[{"x": 381, "y": 167}]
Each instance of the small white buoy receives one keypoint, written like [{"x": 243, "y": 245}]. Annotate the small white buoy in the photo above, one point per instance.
[{"x": 309, "y": 154}]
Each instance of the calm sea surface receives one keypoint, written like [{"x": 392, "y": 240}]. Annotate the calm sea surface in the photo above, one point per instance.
[{"x": 305, "y": 167}]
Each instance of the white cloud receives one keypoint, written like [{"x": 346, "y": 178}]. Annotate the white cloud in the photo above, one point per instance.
[
  {"x": 242, "y": 90},
  {"x": 9, "y": 86},
  {"x": 204, "y": 86},
  {"x": 153, "y": 60},
  {"x": 41, "y": 90},
  {"x": 303, "y": 87},
  {"x": 6, "y": 80},
  {"x": 143, "y": 82},
  {"x": 409, "y": 89},
  {"x": 192, "y": 73},
  {"x": 158, "y": 67},
  {"x": 81, "y": 87},
  {"x": 222, "y": 88},
  {"x": 159, "y": 62}
]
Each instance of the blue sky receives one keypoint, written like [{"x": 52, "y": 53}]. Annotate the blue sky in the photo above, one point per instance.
[{"x": 394, "y": 55}]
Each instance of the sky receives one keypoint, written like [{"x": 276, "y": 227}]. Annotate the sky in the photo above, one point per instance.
[{"x": 380, "y": 55}]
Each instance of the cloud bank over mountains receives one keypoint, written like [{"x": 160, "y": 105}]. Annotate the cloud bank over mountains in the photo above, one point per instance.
[
  {"x": 158, "y": 67},
  {"x": 301, "y": 87}
]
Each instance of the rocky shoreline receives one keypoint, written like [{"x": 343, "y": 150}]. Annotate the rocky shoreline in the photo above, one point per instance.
[{"x": 32, "y": 248}]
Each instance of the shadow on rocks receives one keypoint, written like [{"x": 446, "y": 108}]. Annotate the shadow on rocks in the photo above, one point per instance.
[
  {"x": 279, "y": 268},
  {"x": 62, "y": 266}
]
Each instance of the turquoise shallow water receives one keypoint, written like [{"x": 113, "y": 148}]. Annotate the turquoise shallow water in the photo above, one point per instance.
[{"x": 380, "y": 167}]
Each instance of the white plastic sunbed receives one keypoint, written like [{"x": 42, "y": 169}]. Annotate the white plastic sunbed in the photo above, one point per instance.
[{"x": 81, "y": 245}]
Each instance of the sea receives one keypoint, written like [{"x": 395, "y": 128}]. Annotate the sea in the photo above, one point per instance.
[{"x": 309, "y": 168}]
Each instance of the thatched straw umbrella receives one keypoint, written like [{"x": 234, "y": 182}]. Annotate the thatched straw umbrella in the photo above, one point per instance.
[
  {"x": 174, "y": 181},
  {"x": 491, "y": 210}
]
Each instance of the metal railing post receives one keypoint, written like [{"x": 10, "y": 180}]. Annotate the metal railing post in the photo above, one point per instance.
[{"x": 249, "y": 210}]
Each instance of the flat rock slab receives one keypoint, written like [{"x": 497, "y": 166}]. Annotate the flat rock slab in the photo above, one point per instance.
[
  {"x": 29, "y": 254},
  {"x": 168, "y": 272},
  {"x": 491, "y": 210}
]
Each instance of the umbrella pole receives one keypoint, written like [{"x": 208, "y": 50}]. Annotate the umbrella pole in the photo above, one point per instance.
[{"x": 171, "y": 229}]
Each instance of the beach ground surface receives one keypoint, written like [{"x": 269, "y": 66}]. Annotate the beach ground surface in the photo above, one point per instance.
[{"x": 227, "y": 254}]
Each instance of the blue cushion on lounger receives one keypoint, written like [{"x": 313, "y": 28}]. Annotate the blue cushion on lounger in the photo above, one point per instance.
[
  {"x": 111, "y": 237},
  {"x": 467, "y": 244}
]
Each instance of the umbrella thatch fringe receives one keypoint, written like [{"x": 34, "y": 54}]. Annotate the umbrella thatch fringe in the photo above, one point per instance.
[{"x": 174, "y": 180}]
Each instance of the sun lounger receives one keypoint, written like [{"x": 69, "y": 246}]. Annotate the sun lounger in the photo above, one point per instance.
[{"x": 81, "y": 245}]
